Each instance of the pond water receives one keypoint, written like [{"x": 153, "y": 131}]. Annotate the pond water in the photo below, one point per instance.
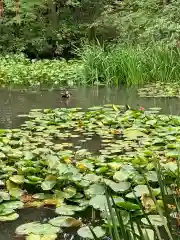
[{"x": 19, "y": 101}]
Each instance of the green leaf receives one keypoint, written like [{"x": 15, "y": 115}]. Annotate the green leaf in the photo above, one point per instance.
[
  {"x": 42, "y": 196},
  {"x": 10, "y": 217},
  {"x": 85, "y": 232},
  {"x": 128, "y": 205},
  {"x": 156, "y": 220},
  {"x": 140, "y": 190},
  {"x": 121, "y": 176},
  {"x": 33, "y": 237},
  {"x": 41, "y": 237},
  {"x": 4, "y": 195},
  {"x": 66, "y": 210},
  {"x": 65, "y": 221},
  {"x": 53, "y": 161},
  {"x": 151, "y": 176},
  {"x": 99, "y": 202},
  {"x": 108, "y": 218},
  {"x": 69, "y": 192},
  {"x": 93, "y": 178},
  {"x": 19, "y": 179},
  {"x": 13, "y": 205},
  {"x": 13, "y": 189},
  {"x": 48, "y": 183},
  {"x": 118, "y": 187},
  {"x": 133, "y": 134},
  {"x": 1, "y": 183},
  {"x": 37, "y": 229},
  {"x": 95, "y": 189},
  {"x": 28, "y": 155}
]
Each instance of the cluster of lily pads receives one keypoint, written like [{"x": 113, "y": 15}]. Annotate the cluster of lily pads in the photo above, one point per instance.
[
  {"x": 41, "y": 165},
  {"x": 160, "y": 89}
]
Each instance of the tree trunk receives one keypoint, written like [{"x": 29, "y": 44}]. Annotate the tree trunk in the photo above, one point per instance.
[{"x": 1, "y": 9}]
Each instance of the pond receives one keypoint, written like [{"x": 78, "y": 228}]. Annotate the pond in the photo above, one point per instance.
[
  {"x": 18, "y": 101},
  {"x": 15, "y": 102}
]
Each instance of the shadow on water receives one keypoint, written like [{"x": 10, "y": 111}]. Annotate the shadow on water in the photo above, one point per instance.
[{"x": 19, "y": 101}]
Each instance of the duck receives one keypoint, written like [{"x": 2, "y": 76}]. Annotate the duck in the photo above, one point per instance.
[
  {"x": 127, "y": 107},
  {"x": 66, "y": 94}
]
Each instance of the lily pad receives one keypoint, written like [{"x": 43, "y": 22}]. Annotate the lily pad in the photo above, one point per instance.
[
  {"x": 156, "y": 220},
  {"x": 37, "y": 229},
  {"x": 99, "y": 202},
  {"x": 10, "y": 217},
  {"x": 48, "y": 183},
  {"x": 65, "y": 221},
  {"x": 95, "y": 189},
  {"x": 19, "y": 179},
  {"x": 85, "y": 232}
]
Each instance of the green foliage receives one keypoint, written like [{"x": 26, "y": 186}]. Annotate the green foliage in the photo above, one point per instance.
[
  {"x": 17, "y": 70},
  {"x": 129, "y": 64},
  {"x": 45, "y": 29}
]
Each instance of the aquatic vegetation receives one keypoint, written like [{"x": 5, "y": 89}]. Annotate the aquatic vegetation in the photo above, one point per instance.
[
  {"x": 40, "y": 165},
  {"x": 160, "y": 90},
  {"x": 113, "y": 65},
  {"x": 129, "y": 64},
  {"x": 18, "y": 70}
]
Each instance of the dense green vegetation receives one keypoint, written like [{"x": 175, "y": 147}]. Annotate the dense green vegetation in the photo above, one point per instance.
[
  {"x": 111, "y": 66},
  {"x": 52, "y": 28},
  {"x": 42, "y": 165},
  {"x": 133, "y": 41},
  {"x": 18, "y": 70}
]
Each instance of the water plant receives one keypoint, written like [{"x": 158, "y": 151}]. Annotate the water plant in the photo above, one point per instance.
[
  {"x": 129, "y": 64},
  {"x": 160, "y": 89},
  {"x": 44, "y": 163},
  {"x": 18, "y": 70},
  {"x": 97, "y": 65}
]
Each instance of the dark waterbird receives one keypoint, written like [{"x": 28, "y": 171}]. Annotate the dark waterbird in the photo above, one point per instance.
[{"x": 66, "y": 94}]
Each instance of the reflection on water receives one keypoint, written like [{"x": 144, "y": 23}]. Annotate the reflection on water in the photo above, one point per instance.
[
  {"x": 7, "y": 229},
  {"x": 16, "y": 101}
]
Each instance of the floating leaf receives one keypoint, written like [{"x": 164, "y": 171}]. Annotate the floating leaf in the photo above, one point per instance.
[
  {"x": 118, "y": 187},
  {"x": 95, "y": 189},
  {"x": 48, "y": 183},
  {"x": 37, "y": 229},
  {"x": 13, "y": 205},
  {"x": 41, "y": 196},
  {"x": 99, "y": 202},
  {"x": 19, "y": 179},
  {"x": 53, "y": 161},
  {"x": 140, "y": 190},
  {"x": 133, "y": 133},
  {"x": 65, "y": 210},
  {"x": 4, "y": 195},
  {"x": 156, "y": 220},
  {"x": 33, "y": 237},
  {"x": 65, "y": 221},
  {"x": 85, "y": 232},
  {"x": 69, "y": 192},
  {"x": 121, "y": 176},
  {"x": 10, "y": 217}
]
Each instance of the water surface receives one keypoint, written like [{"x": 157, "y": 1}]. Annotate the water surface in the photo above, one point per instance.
[{"x": 19, "y": 101}]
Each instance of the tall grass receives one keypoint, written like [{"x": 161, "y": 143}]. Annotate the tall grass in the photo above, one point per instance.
[{"x": 129, "y": 64}]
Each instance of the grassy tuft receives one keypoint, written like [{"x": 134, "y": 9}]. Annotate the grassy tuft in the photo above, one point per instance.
[{"x": 129, "y": 65}]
